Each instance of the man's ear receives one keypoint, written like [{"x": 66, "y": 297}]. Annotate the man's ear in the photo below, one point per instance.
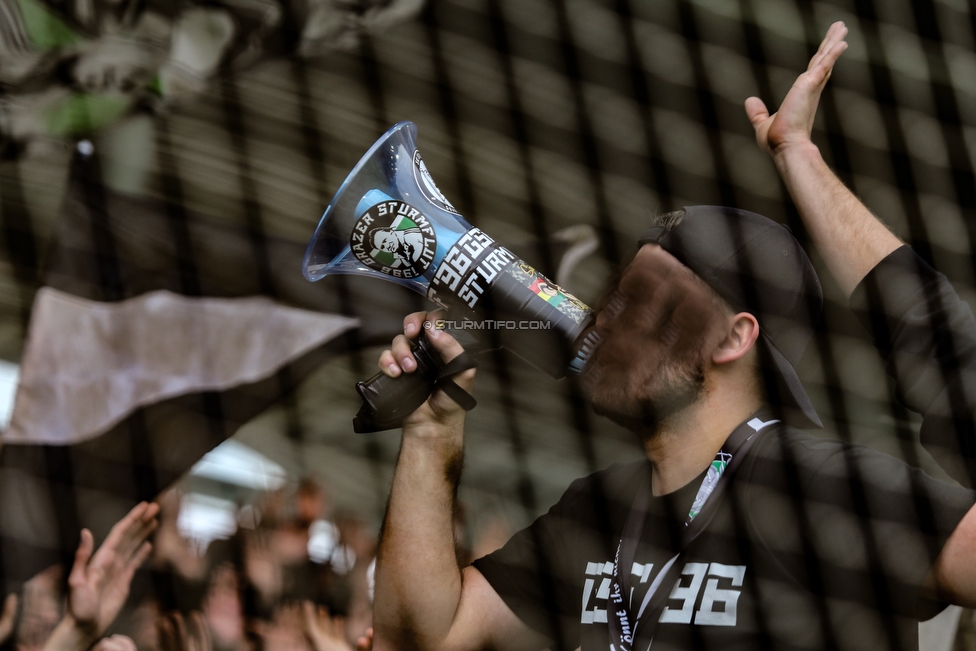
[{"x": 741, "y": 336}]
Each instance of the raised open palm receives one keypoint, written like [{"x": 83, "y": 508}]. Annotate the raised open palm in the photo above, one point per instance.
[
  {"x": 99, "y": 583},
  {"x": 794, "y": 120}
]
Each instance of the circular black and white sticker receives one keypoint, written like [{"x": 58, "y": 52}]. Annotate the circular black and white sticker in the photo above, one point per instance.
[
  {"x": 394, "y": 238},
  {"x": 427, "y": 186}
]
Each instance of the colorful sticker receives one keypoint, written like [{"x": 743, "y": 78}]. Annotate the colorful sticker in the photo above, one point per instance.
[
  {"x": 547, "y": 292},
  {"x": 560, "y": 299},
  {"x": 394, "y": 238}
]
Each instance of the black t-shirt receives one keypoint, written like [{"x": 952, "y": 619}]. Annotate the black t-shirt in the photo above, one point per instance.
[
  {"x": 927, "y": 336},
  {"x": 816, "y": 545}
]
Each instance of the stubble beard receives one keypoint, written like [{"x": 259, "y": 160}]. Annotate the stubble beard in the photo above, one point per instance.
[{"x": 671, "y": 389}]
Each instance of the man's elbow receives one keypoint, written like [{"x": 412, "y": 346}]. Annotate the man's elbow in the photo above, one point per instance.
[{"x": 952, "y": 578}]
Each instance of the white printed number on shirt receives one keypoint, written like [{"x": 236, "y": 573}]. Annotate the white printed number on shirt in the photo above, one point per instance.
[
  {"x": 718, "y": 605},
  {"x": 598, "y": 575},
  {"x": 596, "y": 589}
]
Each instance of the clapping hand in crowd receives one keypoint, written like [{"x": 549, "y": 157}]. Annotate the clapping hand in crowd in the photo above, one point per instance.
[
  {"x": 179, "y": 634},
  {"x": 99, "y": 580},
  {"x": 365, "y": 643},
  {"x": 99, "y": 583},
  {"x": 327, "y": 632},
  {"x": 8, "y": 618},
  {"x": 98, "y": 587},
  {"x": 115, "y": 643}
]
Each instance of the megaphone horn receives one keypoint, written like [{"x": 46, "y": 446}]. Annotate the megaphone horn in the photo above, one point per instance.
[{"x": 389, "y": 220}]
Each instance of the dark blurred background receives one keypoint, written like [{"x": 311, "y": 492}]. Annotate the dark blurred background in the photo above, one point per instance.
[{"x": 192, "y": 147}]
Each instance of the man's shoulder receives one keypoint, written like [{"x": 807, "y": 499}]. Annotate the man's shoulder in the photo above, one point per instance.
[
  {"x": 621, "y": 476},
  {"x": 796, "y": 446},
  {"x": 610, "y": 489},
  {"x": 792, "y": 460},
  {"x": 816, "y": 465}
]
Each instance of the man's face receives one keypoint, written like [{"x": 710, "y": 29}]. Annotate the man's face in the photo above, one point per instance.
[
  {"x": 385, "y": 242},
  {"x": 659, "y": 327}
]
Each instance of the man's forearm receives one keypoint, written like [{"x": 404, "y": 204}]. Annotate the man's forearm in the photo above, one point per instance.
[
  {"x": 418, "y": 581},
  {"x": 68, "y": 635},
  {"x": 848, "y": 236}
]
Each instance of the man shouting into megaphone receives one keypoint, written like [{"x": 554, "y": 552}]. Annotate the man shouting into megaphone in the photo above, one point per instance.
[{"x": 736, "y": 531}]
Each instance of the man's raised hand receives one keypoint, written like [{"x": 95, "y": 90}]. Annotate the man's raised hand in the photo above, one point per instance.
[
  {"x": 851, "y": 240},
  {"x": 793, "y": 123},
  {"x": 99, "y": 582}
]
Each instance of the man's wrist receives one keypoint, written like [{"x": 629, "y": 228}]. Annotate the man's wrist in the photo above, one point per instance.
[
  {"x": 70, "y": 635},
  {"x": 450, "y": 428},
  {"x": 790, "y": 153}
]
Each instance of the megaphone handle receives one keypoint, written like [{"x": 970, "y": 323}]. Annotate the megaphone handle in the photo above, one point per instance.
[{"x": 388, "y": 400}]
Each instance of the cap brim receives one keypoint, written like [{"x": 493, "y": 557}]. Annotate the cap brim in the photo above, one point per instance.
[{"x": 791, "y": 382}]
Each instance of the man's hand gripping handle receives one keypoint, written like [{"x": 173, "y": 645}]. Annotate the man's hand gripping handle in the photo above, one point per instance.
[{"x": 388, "y": 400}]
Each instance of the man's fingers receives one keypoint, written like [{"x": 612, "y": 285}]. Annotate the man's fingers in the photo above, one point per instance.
[
  {"x": 821, "y": 66},
  {"x": 82, "y": 557},
  {"x": 830, "y": 57},
  {"x": 9, "y": 607},
  {"x": 135, "y": 535},
  {"x": 200, "y": 633},
  {"x": 140, "y": 557},
  {"x": 115, "y": 643},
  {"x": 448, "y": 348},
  {"x": 308, "y": 616},
  {"x": 831, "y": 47},
  {"x": 166, "y": 633},
  {"x": 815, "y": 79},
  {"x": 399, "y": 358},
  {"x": 402, "y": 354},
  {"x": 365, "y": 643},
  {"x": 133, "y": 520},
  {"x": 412, "y": 323},
  {"x": 9, "y": 617},
  {"x": 388, "y": 364},
  {"x": 444, "y": 343},
  {"x": 756, "y": 111},
  {"x": 835, "y": 33},
  {"x": 143, "y": 534},
  {"x": 151, "y": 511}
]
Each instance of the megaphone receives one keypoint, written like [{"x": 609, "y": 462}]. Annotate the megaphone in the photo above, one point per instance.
[{"x": 389, "y": 220}]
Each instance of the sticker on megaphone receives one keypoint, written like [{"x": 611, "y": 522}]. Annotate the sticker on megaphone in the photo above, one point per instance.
[
  {"x": 394, "y": 238},
  {"x": 389, "y": 220}
]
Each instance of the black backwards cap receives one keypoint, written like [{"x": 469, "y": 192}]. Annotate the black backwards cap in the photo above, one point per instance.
[{"x": 757, "y": 266}]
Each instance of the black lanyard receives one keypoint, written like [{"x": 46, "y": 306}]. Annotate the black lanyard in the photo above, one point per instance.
[{"x": 627, "y": 630}]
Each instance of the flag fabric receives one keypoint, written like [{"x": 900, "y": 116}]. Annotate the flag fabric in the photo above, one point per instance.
[
  {"x": 89, "y": 364},
  {"x": 133, "y": 370}
]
